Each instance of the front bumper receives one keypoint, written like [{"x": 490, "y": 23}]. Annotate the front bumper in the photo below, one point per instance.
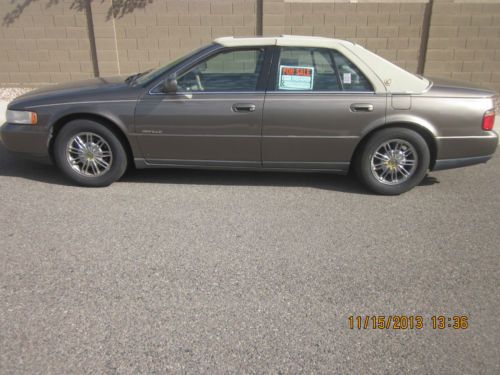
[{"x": 26, "y": 140}]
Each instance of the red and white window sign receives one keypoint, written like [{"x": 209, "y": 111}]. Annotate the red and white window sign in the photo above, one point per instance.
[{"x": 296, "y": 77}]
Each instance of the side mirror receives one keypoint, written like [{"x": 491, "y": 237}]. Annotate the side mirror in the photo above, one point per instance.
[{"x": 170, "y": 85}]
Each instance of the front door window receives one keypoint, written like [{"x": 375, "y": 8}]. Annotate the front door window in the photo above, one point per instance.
[{"x": 237, "y": 70}]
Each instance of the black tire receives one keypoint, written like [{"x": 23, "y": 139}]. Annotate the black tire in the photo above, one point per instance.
[
  {"x": 363, "y": 162},
  {"x": 118, "y": 163}
]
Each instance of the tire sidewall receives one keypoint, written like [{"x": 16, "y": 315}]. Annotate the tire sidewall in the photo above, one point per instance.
[
  {"x": 118, "y": 165},
  {"x": 364, "y": 161}
]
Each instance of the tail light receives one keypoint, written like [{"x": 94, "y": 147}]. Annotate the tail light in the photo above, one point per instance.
[{"x": 488, "y": 120}]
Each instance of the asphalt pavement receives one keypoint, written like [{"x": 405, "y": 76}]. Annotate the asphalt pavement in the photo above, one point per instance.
[{"x": 181, "y": 271}]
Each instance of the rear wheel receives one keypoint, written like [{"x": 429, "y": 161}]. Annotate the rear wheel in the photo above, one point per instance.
[
  {"x": 393, "y": 161},
  {"x": 89, "y": 153}
]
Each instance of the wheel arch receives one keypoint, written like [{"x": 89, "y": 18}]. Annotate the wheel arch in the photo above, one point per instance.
[
  {"x": 423, "y": 131},
  {"x": 103, "y": 120}
]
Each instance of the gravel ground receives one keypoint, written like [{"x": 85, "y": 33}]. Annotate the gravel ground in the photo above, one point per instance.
[
  {"x": 178, "y": 271},
  {"x": 9, "y": 93},
  {"x": 6, "y": 95}
]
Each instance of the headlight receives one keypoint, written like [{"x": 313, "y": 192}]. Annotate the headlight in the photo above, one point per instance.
[{"x": 21, "y": 117}]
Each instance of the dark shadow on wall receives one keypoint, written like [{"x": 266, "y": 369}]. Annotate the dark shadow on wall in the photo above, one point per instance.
[
  {"x": 118, "y": 9},
  {"x": 123, "y": 7}
]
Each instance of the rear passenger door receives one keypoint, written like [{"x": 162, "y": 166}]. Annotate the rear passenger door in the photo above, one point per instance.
[{"x": 316, "y": 106}]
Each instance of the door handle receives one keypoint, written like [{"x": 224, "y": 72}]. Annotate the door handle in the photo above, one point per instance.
[
  {"x": 243, "y": 107},
  {"x": 361, "y": 107}
]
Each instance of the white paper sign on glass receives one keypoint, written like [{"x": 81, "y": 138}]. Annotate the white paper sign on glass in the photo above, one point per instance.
[{"x": 296, "y": 77}]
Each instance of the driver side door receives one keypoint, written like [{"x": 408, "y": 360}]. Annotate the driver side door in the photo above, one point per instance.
[{"x": 214, "y": 118}]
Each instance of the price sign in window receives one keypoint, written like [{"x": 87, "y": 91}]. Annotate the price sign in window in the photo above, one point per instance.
[{"x": 296, "y": 77}]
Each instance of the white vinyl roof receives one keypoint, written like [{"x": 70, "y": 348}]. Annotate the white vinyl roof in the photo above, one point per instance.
[
  {"x": 284, "y": 40},
  {"x": 384, "y": 75}
]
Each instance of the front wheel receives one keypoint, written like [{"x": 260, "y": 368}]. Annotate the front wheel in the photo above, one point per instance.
[
  {"x": 393, "y": 161},
  {"x": 89, "y": 153}
]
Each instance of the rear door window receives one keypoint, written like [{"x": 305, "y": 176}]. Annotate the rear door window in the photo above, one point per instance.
[
  {"x": 318, "y": 69},
  {"x": 306, "y": 69},
  {"x": 351, "y": 77}
]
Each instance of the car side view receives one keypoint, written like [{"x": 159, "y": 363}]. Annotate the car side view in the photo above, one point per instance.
[{"x": 284, "y": 103}]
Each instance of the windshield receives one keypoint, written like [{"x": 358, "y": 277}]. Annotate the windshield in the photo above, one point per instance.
[{"x": 155, "y": 73}]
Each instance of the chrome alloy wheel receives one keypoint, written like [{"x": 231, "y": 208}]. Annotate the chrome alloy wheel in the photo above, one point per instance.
[
  {"x": 89, "y": 154},
  {"x": 394, "y": 162}
]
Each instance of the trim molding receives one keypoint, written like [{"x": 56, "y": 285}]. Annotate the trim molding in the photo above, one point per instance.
[
  {"x": 469, "y": 137},
  {"x": 364, "y": 1},
  {"x": 331, "y": 167},
  {"x": 86, "y": 102}
]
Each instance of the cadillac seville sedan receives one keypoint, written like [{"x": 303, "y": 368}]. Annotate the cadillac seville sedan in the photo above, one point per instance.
[{"x": 272, "y": 104}]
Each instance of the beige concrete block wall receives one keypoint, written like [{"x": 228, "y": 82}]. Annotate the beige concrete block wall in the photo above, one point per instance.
[
  {"x": 49, "y": 41},
  {"x": 46, "y": 42},
  {"x": 464, "y": 42},
  {"x": 168, "y": 29},
  {"x": 392, "y": 30}
]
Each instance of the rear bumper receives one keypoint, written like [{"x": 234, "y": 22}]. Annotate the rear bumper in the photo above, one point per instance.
[
  {"x": 466, "y": 146},
  {"x": 455, "y": 152},
  {"x": 459, "y": 162},
  {"x": 26, "y": 140}
]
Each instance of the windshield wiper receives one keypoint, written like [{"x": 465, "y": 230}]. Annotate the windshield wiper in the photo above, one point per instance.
[{"x": 131, "y": 79}]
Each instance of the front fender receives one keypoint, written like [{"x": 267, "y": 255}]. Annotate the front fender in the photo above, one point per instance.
[{"x": 120, "y": 114}]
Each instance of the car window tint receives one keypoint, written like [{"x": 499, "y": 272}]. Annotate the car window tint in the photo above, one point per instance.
[
  {"x": 351, "y": 76},
  {"x": 227, "y": 71},
  {"x": 307, "y": 69},
  {"x": 155, "y": 73}
]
